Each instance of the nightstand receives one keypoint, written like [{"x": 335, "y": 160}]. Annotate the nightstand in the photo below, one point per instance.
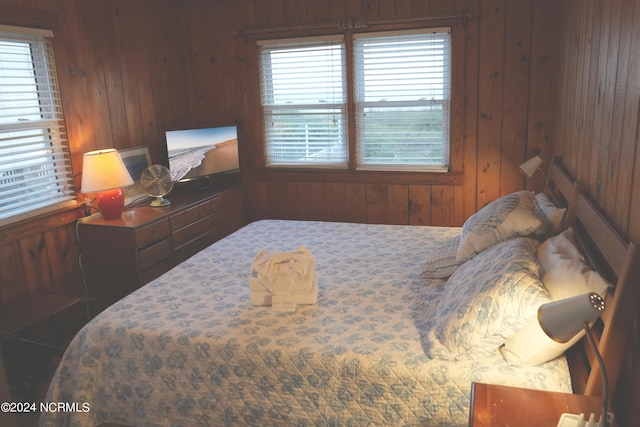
[{"x": 496, "y": 405}]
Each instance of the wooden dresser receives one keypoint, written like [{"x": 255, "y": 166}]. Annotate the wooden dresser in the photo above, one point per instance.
[{"x": 118, "y": 256}]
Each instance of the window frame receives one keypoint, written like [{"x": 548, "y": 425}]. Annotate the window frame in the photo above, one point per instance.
[
  {"x": 48, "y": 132},
  {"x": 361, "y": 106},
  {"x": 451, "y": 175},
  {"x": 270, "y": 107}
]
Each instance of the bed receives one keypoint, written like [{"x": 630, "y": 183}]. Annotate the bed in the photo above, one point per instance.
[{"x": 390, "y": 341}]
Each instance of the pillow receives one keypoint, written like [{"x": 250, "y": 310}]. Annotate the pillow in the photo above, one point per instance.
[
  {"x": 564, "y": 271},
  {"x": 546, "y": 209},
  {"x": 441, "y": 262},
  {"x": 487, "y": 300},
  {"x": 564, "y": 274},
  {"x": 531, "y": 346},
  {"x": 509, "y": 216}
]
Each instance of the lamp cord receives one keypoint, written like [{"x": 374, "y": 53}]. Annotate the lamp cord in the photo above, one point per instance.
[
  {"x": 605, "y": 378},
  {"x": 543, "y": 174}
]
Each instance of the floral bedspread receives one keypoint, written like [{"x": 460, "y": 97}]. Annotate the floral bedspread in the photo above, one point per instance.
[{"x": 189, "y": 349}]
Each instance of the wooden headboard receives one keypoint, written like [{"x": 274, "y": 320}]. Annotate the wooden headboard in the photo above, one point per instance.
[
  {"x": 617, "y": 333},
  {"x": 562, "y": 189},
  {"x": 618, "y": 261}
]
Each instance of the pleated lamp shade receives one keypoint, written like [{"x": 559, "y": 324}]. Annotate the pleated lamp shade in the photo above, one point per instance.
[{"x": 530, "y": 167}]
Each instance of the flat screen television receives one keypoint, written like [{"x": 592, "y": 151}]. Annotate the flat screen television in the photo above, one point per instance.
[{"x": 199, "y": 156}]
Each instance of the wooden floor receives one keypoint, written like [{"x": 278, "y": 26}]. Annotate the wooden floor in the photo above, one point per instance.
[{"x": 32, "y": 420}]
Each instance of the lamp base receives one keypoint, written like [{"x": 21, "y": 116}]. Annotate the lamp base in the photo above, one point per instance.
[
  {"x": 574, "y": 420},
  {"x": 111, "y": 203}
]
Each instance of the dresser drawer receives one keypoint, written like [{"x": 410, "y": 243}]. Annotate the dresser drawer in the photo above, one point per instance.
[
  {"x": 192, "y": 214},
  {"x": 155, "y": 271},
  {"x": 154, "y": 254},
  {"x": 178, "y": 220},
  {"x": 152, "y": 233},
  {"x": 211, "y": 206},
  {"x": 194, "y": 246},
  {"x": 198, "y": 228}
]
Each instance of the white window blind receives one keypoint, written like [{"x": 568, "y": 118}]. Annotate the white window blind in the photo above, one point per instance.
[
  {"x": 402, "y": 90},
  {"x": 35, "y": 169},
  {"x": 304, "y": 101}
]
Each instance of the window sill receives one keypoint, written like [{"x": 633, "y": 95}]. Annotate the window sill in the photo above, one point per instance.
[
  {"x": 40, "y": 223},
  {"x": 359, "y": 176}
]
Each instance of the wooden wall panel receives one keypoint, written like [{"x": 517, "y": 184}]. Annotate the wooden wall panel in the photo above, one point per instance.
[
  {"x": 398, "y": 204},
  {"x": 441, "y": 205},
  {"x": 123, "y": 82},
  {"x": 515, "y": 114},
  {"x": 260, "y": 198},
  {"x": 356, "y": 208},
  {"x": 127, "y": 47},
  {"x": 336, "y": 201},
  {"x": 316, "y": 201},
  {"x": 296, "y": 200},
  {"x": 627, "y": 159},
  {"x": 278, "y": 202},
  {"x": 493, "y": 99},
  {"x": 419, "y": 204},
  {"x": 595, "y": 130},
  {"x": 376, "y": 204},
  {"x": 11, "y": 271},
  {"x": 490, "y": 89},
  {"x": 544, "y": 24},
  {"x": 465, "y": 196},
  {"x": 597, "y": 104},
  {"x": 49, "y": 261},
  {"x": 607, "y": 86}
]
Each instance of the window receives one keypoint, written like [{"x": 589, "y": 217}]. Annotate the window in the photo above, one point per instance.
[
  {"x": 35, "y": 170},
  {"x": 303, "y": 101},
  {"x": 401, "y": 100}
]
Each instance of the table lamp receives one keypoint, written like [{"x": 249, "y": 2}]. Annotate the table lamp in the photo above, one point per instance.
[
  {"x": 562, "y": 320},
  {"x": 104, "y": 173},
  {"x": 530, "y": 167}
]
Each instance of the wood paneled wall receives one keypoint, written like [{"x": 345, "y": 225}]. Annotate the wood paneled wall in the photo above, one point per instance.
[
  {"x": 504, "y": 65},
  {"x": 597, "y": 106},
  {"x": 595, "y": 130},
  {"x": 123, "y": 81}
]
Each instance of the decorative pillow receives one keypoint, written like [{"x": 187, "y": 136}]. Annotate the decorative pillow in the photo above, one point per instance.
[
  {"x": 546, "y": 209},
  {"x": 441, "y": 262},
  {"x": 487, "y": 300},
  {"x": 564, "y": 271},
  {"x": 509, "y": 216},
  {"x": 564, "y": 274}
]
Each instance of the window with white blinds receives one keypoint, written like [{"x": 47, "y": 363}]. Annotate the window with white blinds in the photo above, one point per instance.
[
  {"x": 402, "y": 98},
  {"x": 303, "y": 101},
  {"x": 35, "y": 168}
]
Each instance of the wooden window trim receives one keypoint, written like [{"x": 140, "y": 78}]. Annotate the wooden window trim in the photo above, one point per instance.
[
  {"x": 23, "y": 17},
  {"x": 358, "y": 176}
]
